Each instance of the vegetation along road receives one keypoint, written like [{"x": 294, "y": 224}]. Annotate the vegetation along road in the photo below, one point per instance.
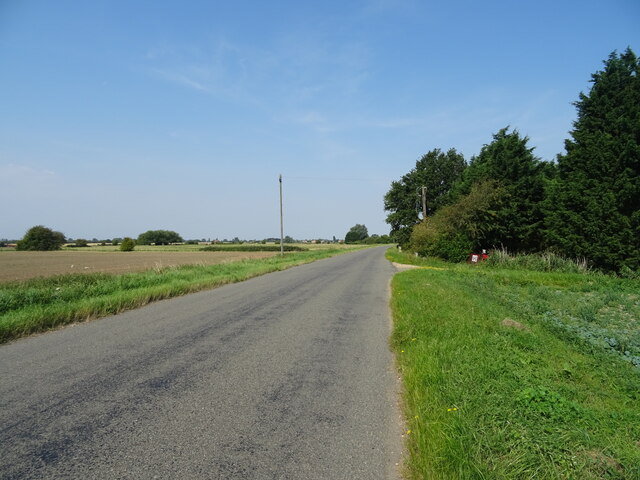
[{"x": 288, "y": 375}]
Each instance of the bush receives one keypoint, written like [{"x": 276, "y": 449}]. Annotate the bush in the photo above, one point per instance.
[
  {"x": 127, "y": 245},
  {"x": 41, "y": 238},
  {"x": 454, "y": 231},
  {"x": 81, "y": 242}
]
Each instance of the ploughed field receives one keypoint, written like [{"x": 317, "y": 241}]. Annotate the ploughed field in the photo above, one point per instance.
[{"x": 24, "y": 265}]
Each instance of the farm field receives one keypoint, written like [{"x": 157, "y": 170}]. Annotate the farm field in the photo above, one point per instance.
[
  {"x": 25, "y": 265},
  {"x": 44, "y": 302}
]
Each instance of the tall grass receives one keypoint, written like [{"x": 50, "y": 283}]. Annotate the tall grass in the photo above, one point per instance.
[
  {"x": 40, "y": 304},
  {"x": 542, "y": 262},
  {"x": 494, "y": 388}
]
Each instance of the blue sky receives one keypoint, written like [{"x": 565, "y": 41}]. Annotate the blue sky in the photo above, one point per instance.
[{"x": 122, "y": 116}]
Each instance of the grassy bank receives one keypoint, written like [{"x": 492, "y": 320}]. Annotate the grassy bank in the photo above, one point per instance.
[
  {"x": 518, "y": 374},
  {"x": 183, "y": 247},
  {"x": 253, "y": 248},
  {"x": 37, "y": 305}
]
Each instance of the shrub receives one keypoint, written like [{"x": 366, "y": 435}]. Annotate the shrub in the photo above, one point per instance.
[
  {"x": 41, "y": 238},
  {"x": 454, "y": 231},
  {"x": 127, "y": 245},
  {"x": 81, "y": 242}
]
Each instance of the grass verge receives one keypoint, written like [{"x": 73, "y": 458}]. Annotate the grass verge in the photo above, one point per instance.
[
  {"x": 517, "y": 374},
  {"x": 36, "y": 305},
  {"x": 252, "y": 248}
]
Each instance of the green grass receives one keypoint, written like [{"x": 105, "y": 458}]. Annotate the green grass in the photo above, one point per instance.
[
  {"x": 36, "y": 305},
  {"x": 543, "y": 262},
  {"x": 559, "y": 398},
  {"x": 223, "y": 247},
  {"x": 252, "y": 248}
]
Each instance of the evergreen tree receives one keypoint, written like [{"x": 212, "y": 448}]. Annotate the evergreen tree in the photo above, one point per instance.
[
  {"x": 594, "y": 206},
  {"x": 437, "y": 171},
  {"x": 510, "y": 163}
]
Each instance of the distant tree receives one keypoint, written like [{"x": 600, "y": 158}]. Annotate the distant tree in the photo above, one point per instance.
[
  {"x": 510, "y": 163},
  {"x": 116, "y": 241},
  {"x": 158, "y": 237},
  {"x": 377, "y": 239},
  {"x": 41, "y": 238},
  {"x": 127, "y": 245},
  {"x": 437, "y": 171},
  {"x": 81, "y": 242},
  {"x": 288, "y": 239},
  {"x": 594, "y": 206},
  {"x": 356, "y": 234}
]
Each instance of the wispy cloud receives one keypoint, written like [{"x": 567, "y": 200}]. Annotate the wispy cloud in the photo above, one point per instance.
[
  {"x": 180, "y": 79},
  {"x": 296, "y": 67}
]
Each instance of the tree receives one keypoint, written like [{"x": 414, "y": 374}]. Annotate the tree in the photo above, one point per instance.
[
  {"x": 127, "y": 245},
  {"x": 594, "y": 206},
  {"x": 510, "y": 162},
  {"x": 41, "y": 238},
  {"x": 357, "y": 233},
  {"x": 158, "y": 237},
  {"x": 438, "y": 172},
  {"x": 456, "y": 230}
]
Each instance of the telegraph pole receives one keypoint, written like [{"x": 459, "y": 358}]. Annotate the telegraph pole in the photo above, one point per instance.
[
  {"x": 281, "y": 223},
  {"x": 424, "y": 202}
]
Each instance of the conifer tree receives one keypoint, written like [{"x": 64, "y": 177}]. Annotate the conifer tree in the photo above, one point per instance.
[
  {"x": 510, "y": 163},
  {"x": 594, "y": 206}
]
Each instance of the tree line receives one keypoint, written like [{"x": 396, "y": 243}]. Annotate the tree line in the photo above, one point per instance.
[
  {"x": 42, "y": 238},
  {"x": 585, "y": 204}
]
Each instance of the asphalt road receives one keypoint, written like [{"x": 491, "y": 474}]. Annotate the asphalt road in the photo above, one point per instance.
[{"x": 285, "y": 376}]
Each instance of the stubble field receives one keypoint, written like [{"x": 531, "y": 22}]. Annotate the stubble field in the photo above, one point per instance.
[{"x": 26, "y": 265}]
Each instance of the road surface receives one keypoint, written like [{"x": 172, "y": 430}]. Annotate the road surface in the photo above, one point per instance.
[{"x": 285, "y": 376}]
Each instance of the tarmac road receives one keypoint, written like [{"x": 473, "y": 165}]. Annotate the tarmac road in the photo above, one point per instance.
[{"x": 285, "y": 376}]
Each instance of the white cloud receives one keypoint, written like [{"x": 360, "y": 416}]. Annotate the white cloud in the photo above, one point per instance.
[{"x": 11, "y": 173}]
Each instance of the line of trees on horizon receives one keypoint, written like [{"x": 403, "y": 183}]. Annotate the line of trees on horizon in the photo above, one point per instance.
[
  {"x": 586, "y": 204},
  {"x": 43, "y": 238}
]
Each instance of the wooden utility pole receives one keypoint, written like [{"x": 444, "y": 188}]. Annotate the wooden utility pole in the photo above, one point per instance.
[
  {"x": 424, "y": 202},
  {"x": 281, "y": 223}
]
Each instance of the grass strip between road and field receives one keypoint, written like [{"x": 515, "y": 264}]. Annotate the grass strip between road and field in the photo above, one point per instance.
[
  {"x": 37, "y": 305},
  {"x": 517, "y": 374}
]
